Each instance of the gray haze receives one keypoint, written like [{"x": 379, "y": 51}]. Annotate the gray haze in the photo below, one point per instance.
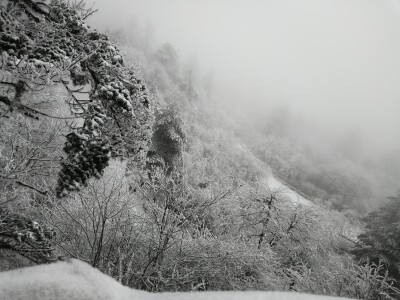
[{"x": 333, "y": 62}]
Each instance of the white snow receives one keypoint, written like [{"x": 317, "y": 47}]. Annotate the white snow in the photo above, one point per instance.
[
  {"x": 282, "y": 189},
  {"x": 40, "y": 63},
  {"x": 274, "y": 184},
  {"x": 76, "y": 280}
]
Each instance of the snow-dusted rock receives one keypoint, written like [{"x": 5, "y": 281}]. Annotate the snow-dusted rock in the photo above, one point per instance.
[{"x": 76, "y": 280}]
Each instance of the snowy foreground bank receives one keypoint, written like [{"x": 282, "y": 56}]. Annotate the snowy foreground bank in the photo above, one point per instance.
[{"x": 77, "y": 280}]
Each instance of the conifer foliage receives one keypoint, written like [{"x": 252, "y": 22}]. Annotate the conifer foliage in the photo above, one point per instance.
[
  {"x": 51, "y": 44},
  {"x": 168, "y": 138},
  {"x": 86, "y": 159},
  {"x": 26, "y": 237}
]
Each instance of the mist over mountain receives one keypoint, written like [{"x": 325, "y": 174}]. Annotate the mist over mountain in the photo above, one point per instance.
[
  {"x": 202, "y": 145},
  {"x": 334, "y": 63}
]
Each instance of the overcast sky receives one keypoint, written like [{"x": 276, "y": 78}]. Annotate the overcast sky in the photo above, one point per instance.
[{"x": 334, "y": 61}]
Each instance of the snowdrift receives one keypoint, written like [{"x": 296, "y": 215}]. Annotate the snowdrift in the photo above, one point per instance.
[{"x": 74, "y": 279}]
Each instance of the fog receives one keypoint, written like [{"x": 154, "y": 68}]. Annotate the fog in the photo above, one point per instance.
[{"x": 334, "y": 63}]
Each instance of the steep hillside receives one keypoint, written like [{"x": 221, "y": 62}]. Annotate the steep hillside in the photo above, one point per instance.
[
  {"x": 69, "y": 105},
  {"x": 149, "y": 185}
]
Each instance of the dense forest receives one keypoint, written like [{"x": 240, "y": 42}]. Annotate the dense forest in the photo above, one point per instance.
[{"x": 113, "y": 151}]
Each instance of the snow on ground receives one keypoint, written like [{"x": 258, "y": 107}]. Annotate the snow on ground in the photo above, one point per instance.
[
  {"x": 76, "y": 280},
  {"x": 274, "y": 184},
  {"x": 281, "y": 189}
]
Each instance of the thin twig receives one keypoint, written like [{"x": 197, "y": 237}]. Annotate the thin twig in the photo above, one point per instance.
[
  {"x": 31, "y": 187},
  {"x": 44, "y": 114}
]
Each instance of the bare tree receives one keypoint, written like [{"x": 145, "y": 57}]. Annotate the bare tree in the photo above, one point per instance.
[
  {"x": 29, "y": 156},
  {"x": 100, "y": 224}
]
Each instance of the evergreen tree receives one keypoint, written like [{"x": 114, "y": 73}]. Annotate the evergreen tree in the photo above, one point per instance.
[{"x": 168, "y": 138}]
